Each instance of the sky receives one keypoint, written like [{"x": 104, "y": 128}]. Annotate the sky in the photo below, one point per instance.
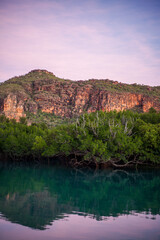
[{"x": 82, "y": 39}]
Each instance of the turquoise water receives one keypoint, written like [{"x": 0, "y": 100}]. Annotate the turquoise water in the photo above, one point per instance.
[{"x": 54, "y": 202}]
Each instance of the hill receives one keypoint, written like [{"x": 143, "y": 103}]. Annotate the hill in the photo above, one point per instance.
[{"x": 41, "y": 91}]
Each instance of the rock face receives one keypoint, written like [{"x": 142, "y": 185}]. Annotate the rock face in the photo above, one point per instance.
[
  {"x": 13, "y": 108},
  {"x": 41, "y": 90}
]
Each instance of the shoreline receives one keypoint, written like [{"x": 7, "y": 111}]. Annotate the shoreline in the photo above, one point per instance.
[{"x": 68, "y": 162}]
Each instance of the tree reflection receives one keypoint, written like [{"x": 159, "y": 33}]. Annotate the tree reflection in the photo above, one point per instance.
[{"x": 35, "y": 197}]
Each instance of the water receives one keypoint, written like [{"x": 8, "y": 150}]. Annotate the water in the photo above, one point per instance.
[{"x": 41, "y": 202}]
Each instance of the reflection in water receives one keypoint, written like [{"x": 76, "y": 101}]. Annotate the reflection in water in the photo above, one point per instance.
[{"x": 44, "y": 197}]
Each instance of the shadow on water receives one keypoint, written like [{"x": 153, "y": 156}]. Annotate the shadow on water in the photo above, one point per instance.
[{"x": 36, "y": 196}]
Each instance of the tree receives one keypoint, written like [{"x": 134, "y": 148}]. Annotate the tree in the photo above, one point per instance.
[
  {"x": 23, "y": 120},
  {"x": 152, "y": 110},
  {"x": 39, "y": 145}
]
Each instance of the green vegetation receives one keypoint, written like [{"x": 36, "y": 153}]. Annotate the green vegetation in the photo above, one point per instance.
[
  {"x": 36, "y": 196},
  {"x": 115, "y": 138},
  {"x": 48, "y": 119},
  {"x": 34, "y": 75},
  {"x": 24, "y": 82},
  {"x": 6, "y": 89},
  {"x": 114, "y": 86}
]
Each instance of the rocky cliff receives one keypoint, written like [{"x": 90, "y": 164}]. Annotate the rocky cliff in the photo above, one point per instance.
[{"x": 42, "y": 90}]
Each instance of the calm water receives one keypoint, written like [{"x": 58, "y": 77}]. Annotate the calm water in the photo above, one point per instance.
[{"x": 40, "y": 202}]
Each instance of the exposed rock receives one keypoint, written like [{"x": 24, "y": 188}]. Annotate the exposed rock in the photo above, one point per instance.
[
  {"x": 13, "y": 108},
  {"x": 43, "y": 91}
]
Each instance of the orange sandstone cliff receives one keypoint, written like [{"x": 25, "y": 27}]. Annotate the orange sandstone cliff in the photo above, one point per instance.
[{"x": 42, "y": 90}]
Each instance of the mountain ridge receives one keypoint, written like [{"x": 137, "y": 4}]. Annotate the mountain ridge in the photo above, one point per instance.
[{"x": 42, "y": 90}]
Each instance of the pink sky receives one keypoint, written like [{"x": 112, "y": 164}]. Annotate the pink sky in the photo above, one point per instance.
[
  {"x": 76, "y": 40},
  {"x": 79, "y": 227}
]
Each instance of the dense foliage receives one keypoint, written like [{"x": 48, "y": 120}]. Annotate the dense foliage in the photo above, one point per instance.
[
  {"x": 117, "y": 138},
  {"x": 49, "y": 119}
]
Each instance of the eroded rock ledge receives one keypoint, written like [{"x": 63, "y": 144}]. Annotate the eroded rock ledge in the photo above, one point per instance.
[{"x": 42, "y": 90}]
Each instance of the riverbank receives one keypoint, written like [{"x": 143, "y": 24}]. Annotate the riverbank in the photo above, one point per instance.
[
  {"x": 70, "y": 162},
  {"x": 108, "y": 139}
]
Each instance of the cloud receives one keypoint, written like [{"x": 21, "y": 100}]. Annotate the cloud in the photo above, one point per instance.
[{"x": 79, "y": 40}]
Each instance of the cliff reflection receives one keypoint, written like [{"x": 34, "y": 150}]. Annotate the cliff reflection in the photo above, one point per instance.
[{"x": 35, "y": 197}]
